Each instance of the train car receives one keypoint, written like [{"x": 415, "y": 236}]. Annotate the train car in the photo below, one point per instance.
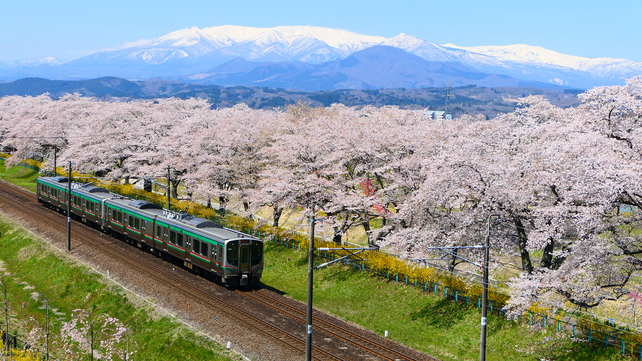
[
  {"x": 200, "y": 244},
  {"x": 52, "y": 191}
]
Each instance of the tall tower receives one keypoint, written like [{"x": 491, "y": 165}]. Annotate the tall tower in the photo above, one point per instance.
[{"x": 448, "y": 114}]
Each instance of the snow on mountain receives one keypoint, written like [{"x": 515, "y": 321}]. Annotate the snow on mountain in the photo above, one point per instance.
[
  {"x": 306, "y": 43},
  {"x": 193, "y": 51},
  {"x": 535, "y": 55},
  {"x": 48, "y": 60},
  {"x": 340, "y": 39}
]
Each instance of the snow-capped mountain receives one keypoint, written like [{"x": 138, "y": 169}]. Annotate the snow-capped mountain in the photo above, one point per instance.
[
  {"x": 48, "y": 60},
  {"x": 538, "y": 56},
  {"x": 193, "y": 53},
  {"x": 305, "y": 43}
]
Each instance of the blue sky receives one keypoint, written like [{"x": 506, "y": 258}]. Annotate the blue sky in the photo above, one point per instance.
[{"x": 68, "y": 29}]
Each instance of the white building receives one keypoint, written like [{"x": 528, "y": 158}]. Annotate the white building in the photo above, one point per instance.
[{"x": 437, "y": 114}]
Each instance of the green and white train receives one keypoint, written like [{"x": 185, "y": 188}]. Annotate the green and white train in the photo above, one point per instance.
[{"x": 200, "y": 244}]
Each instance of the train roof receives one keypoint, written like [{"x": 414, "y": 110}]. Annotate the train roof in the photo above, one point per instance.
[
  {"x": 198, "y": 225},
  {"x": 89, "y": 188},
  {"x": 144, "y": 205},
  {"x": 58, "y": 179}
]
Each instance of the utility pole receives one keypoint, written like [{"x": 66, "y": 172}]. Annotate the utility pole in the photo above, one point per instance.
[
  {"x": 69, "y": 210},
  {"x": 92, "y": 341},
  {"x": 482, "y": 349},
  {"x": 308, "y": 340},
  {"x": 47, "y": 328},
  {"x": 168, "y": 188},
  {"x": 55, "y": 159},
  {"x": 6, "y": 317}
]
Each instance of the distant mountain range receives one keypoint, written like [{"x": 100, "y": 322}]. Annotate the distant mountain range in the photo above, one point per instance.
[{"x": 315, "y": 58}]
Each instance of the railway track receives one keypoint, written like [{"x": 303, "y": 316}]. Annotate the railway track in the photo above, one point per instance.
[
  {"x": 331, "y": 329},
  {"x": 51, "y": 220}
]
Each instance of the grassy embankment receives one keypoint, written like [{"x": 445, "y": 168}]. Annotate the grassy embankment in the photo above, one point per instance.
[{"x": 426, "y": 322}]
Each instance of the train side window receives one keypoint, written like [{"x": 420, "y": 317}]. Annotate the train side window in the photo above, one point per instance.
[
  {"x": 233, "y": 253},
  {"x": 113, "y": 215},
  {"x": 159, "y": 231},
  {"x": 204, "y": 247},
  {"x": 197, "y": 246},
  {"x": 120, "y": 217},
  {"x": 179, "y": 239},
  {"x": 137, "y": 223},
  {"x": 172, "y": 237}
]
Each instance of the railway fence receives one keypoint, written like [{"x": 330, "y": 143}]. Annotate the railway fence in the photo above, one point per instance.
[{"x": 14, "y": 346}]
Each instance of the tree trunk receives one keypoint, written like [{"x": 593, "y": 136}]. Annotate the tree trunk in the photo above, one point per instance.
[
  {"x": 338, "y": 235},
  {"x": 246, "y": 206},
  {"x": 276, "y": 215},
  {"x": 175, "y": 188},
  {"x": 366, "y": 227},
  {"x": 547, "y": 257},
  {"x": 522, "y": 239},
  {"x": 222, "y": 203},
  {"x": 453, "y": 261}
]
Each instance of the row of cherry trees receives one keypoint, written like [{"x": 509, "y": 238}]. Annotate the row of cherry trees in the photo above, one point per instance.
[{"x": 562, "y": 183}]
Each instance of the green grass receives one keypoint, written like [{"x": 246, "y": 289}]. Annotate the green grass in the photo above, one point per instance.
[
  {"x": 423, "y": 321},
  {"x": 33, "y": 267},
  {"x": 20, "y": 176}
]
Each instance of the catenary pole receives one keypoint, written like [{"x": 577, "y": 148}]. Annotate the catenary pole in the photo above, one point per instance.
[
  {"x": 92, "y": 341},
  {"x": 47, "y": 327},
  {"x": 308, "y": 339},
  {"x": 69, "y": 210},
  {"x": 482, "y": 349},
  {"x": 168, "y": 188},
  {"x": 6, "y": 317},
  {"x": 55, "y": 159}
]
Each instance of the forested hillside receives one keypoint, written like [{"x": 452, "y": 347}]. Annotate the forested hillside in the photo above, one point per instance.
[{"x": 463, "y": 100}]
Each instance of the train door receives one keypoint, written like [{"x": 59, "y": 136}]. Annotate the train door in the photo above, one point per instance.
[
  {"x": 244, "y": 266},
  {"x": 244, "y": 262}
]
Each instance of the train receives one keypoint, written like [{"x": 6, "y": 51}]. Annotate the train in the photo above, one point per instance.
[{"x": 201, "y": 245}]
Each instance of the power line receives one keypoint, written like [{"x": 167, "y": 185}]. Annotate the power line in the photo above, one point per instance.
[{"x": 65, "y": 137}]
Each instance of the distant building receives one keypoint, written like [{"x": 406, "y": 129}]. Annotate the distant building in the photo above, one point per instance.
[{"x": 437, "y": 114}]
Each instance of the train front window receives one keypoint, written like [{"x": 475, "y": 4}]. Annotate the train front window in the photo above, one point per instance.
[
  {"x": 257, "y": 252},
  {"x": 233, "y": 253}
]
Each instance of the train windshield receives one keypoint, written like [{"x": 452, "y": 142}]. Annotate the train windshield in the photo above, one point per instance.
[
  {"x": 257, "y": 253},
  {"x": 233, "y": 253}
]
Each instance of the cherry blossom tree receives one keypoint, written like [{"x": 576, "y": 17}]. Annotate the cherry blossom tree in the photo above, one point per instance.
[{"x": 564, "y": 183}]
